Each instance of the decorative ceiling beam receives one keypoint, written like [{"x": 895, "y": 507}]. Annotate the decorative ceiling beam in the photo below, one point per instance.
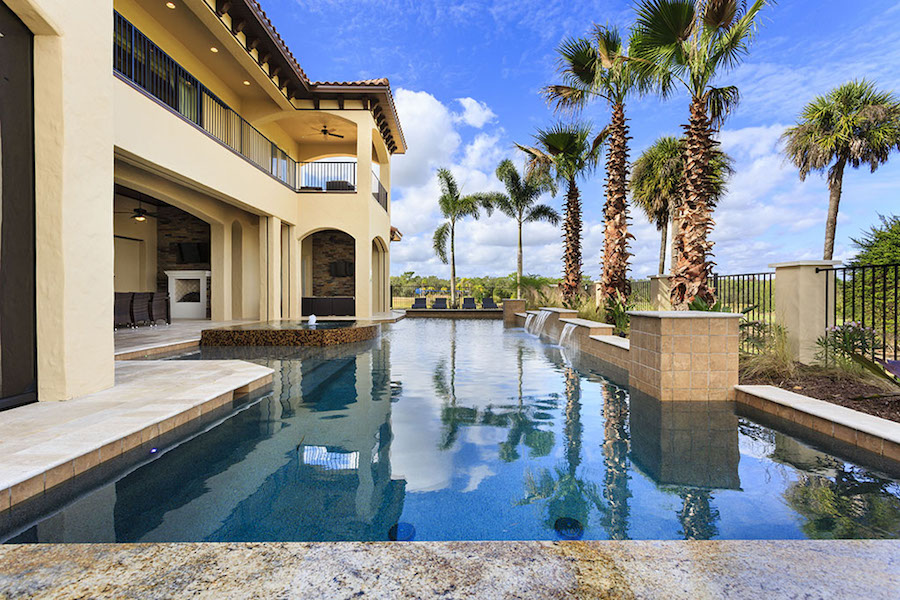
[
  {"x": 238, "y": 26},
  {"x": 222, "y": 7},
  {"x": 253, "y": 44}
]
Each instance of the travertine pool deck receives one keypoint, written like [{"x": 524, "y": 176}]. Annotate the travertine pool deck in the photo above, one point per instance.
[
  {"x": 47, "y": 443},
  {"x": 484, "y": 570},
  {"x": 182, "y": 334}
]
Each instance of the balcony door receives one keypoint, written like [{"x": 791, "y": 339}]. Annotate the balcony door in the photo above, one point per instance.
[{"x": 18, "y": 371}]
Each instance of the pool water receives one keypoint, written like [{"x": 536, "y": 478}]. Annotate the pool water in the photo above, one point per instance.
[{"x": 464, "y": 430}]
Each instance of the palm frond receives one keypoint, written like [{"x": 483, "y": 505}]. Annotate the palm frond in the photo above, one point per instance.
[
  {"x": 441, "y": 235},
  {"x": 720, "y": 102},
  {"x": 542, "y": 212}
]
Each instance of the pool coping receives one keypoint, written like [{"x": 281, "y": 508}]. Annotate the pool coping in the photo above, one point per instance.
[
  {"x": 484, "y": 570},
  {"x": 69, "y": 450},
  {"x": 868, "y": 432}
]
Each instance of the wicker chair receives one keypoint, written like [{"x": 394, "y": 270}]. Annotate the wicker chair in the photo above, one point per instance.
[
  {"x": 122, "y": 309},
  {"x": 140, "y": 308},
  {"x": 159, "y": 308}
]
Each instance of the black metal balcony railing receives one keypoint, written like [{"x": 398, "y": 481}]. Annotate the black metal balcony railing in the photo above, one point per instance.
[
  {"x": 378, "y": 192},
  {"x": 144, "y": 64},
  {"x": 327, "y": 176}
]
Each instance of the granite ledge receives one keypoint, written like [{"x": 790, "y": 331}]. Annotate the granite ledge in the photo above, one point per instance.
[
  {"x": 683, "y": 314},
  {"x": 613, "y": 340},
  {"x": 484, "y": 570}
]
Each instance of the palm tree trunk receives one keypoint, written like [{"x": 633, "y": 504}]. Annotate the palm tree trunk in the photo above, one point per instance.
[
  {"x": 663, "y": 233},
  {"x": 452, "y": 264},
  {"x": 572, "y": 236},
  {"x": 614, "y": 280},
  {"x": 690, "y": 273},
  {"x": 835, "y": 183},
  {"x": 519, "y": 265},
  {"x": 676, "y": 238}
]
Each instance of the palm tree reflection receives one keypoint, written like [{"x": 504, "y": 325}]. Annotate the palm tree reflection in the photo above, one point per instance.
[{"x": 566, "y": 495}]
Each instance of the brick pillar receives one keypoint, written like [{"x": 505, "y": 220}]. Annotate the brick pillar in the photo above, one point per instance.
[
  {"x": 685, "y": 355},
  {"x": 510, "y": 308},
  {"x": 801, "y": 305}
]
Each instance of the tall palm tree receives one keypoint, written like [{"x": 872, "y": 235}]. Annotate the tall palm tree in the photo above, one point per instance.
[
  {"x": 454, "y": 207},
  {"x": 566, "y": 152},
  {"x": 656, "y": 179},
  {"x": 519, "y": 203},
  {"x": 597, "y": 67},
  {"x": 853, "y": 124},
  {"x": 690, "y": 42}
]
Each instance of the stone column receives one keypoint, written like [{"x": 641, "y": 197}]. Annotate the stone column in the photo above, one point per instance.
[
  {"x": 510, "y": 308},
  {"x": 685, "y": 355},
  {"x": 801, "y": 305},
  {"x": 660, "y": 288}
]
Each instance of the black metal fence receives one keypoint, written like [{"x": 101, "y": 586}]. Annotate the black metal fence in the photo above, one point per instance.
[
  {"x": 866, "y": 295},
  {"x": 640, "y": 295},
  {"x": 752, "y": 294}
]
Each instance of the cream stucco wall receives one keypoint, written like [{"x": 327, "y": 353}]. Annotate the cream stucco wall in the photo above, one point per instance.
[
  {"x": 134, "y": 273},
  {"x": 93, "y": 129},
  {"x": 73, "y": 193}
]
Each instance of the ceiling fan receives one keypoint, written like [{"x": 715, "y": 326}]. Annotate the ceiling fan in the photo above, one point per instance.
[
  {"x": 139, "y": 214},
  {"x": 325, "y": 133}
]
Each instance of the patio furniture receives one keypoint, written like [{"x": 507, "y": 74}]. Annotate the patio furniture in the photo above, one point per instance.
[
  {"x": 469, "y": 304},
  {"x": 122, "y": 309},
  {"x": 439, "y": 303},
  {"x": 488, "y": 303},
  {"x": 140, "y": 307},
  {"x": 339, "y": 186},
  {"x": 159, "y": 308},
  {"x": 419, "y": 303}
]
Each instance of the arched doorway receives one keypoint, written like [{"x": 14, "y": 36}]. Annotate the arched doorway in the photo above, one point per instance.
[
  {"x": 379, "y": 276},
  {"x": 18, "y": 369},
  {"x": 328, "y": 273}
]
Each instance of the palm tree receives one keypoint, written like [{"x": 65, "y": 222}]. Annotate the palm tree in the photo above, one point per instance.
[
  {"x": 519, "y": 203},
  {"x": 599, "y": 68},
  {"x": 689, "y": 42},
  {"x": 566, "y": 152},
  {"x": 853, "y": 124},
  {"x": 455, "y": 207},
  {"x": 656, "y": 179}
]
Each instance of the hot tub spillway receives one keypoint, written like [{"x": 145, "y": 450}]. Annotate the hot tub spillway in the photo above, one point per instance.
[{"x": 290, "y": 333}]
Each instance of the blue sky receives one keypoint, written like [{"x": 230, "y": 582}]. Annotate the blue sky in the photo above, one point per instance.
[{"x": 466, "y": 77}]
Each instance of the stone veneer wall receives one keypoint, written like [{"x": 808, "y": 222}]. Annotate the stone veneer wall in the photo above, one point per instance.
[
  {"x": 175, "y": 226},
  {"x": 328, "y": 247}
]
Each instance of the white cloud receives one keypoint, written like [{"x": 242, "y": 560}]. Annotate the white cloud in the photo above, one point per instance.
[
  {"x": 475, "y": 113},
  {"x": 430, "y": 134}
]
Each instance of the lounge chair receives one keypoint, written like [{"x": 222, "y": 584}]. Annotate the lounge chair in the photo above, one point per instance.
[
  {"x": 419, "y": 303},
  {"x": 439, "y": 303},
  {"x": 469, "y": 304},
  {"x": 488, "y": 302}
]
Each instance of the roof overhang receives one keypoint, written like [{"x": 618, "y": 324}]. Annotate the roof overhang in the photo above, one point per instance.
[{"x": 396, "y": 236}]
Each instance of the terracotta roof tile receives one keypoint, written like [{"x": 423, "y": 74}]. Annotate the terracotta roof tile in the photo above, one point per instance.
[{"x": 382, "y": 81}]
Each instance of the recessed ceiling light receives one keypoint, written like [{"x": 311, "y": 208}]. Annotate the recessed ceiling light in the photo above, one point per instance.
[
  {"x": 170, "y": 4},
  {"x": 213, "y": 49},
  {"x": 246, "y": 82}
]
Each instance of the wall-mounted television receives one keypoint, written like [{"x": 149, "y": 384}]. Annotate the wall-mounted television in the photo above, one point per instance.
[{"x": 192, "y": 252}]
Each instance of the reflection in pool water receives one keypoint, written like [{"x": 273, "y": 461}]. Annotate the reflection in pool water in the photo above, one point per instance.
[{"x": 461, "y": 430}]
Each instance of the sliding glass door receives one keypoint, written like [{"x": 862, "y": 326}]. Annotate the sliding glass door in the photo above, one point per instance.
[{"x": 18, "y": 371}]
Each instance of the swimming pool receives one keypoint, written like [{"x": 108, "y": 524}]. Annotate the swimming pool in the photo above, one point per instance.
[{"x": 464, "y": 430}]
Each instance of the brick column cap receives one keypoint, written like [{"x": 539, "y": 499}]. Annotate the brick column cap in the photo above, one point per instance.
[
  {"x": 683, "y": 314},
  {"x": 805, "y": 263}
]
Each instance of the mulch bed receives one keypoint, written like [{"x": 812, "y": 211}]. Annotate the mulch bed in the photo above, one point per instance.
[{"x": 842, "y": 390}]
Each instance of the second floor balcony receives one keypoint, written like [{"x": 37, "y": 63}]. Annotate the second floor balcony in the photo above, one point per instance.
[{"x": 148, "y": 68}]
